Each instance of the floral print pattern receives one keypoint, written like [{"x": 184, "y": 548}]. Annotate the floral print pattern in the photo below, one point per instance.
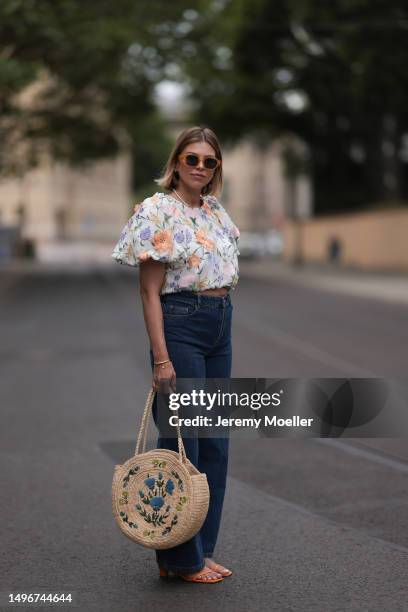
[
  {"x": 198, "y": 245},
  {"x": 152, "y": 505}
]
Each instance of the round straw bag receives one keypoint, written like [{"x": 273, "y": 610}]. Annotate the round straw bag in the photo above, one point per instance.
[{"x": 159, "y": 498}]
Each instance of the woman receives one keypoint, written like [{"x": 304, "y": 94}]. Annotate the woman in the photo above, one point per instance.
[{"x": 186, "y": 245}]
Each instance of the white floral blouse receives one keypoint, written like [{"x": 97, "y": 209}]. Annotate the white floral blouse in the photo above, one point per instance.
[{"x": 199, "y": 245}]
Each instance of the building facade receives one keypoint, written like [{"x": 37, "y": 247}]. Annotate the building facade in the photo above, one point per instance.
[{"x": 54, "y": 202}]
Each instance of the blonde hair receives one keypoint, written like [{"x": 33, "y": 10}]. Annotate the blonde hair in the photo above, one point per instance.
[{"x": 169, "y": 181}]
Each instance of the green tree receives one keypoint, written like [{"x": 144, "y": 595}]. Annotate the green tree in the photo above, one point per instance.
[
  {"x": 90, "y": 67},
  {"x": 333, "y": 73}
]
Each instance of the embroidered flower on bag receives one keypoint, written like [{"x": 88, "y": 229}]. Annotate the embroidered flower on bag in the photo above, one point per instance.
[
  {"x": 157, "y": 502},
  {"x": 169, "y": 486},
  {"x": 150, "y": 482}
]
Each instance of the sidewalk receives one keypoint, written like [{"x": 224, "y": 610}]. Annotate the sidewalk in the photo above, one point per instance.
[{"x": 391, "y": 287}]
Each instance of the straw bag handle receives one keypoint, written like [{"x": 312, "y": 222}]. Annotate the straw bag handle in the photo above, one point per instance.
[{"x": 145, "y": 426}]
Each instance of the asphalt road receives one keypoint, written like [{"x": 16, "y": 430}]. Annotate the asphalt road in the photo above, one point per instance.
[{"x": 308, "y": 525}]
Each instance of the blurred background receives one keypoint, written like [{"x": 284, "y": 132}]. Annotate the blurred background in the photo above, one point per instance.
[{"x": 310, "y": 102}]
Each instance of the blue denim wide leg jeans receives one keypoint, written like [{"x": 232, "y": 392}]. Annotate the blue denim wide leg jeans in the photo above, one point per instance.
[{"x": 197, "y": 331}]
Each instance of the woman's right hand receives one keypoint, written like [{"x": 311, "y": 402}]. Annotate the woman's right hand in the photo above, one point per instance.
[{"x": 164, "y": 378}]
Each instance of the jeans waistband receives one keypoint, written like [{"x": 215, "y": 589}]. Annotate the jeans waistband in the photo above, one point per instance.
[{"x": 216, "y": 301}]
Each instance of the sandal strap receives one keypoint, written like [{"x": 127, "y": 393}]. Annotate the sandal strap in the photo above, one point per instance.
[
  {"x": 210, "y": 571},
  {"x": 218, "y": 568},
  {"x": 221, "y": 569},
  {"x": 202, "y": 576}
]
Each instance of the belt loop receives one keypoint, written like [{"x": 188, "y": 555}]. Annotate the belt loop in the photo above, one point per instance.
[{"x": 199, "y": 300}]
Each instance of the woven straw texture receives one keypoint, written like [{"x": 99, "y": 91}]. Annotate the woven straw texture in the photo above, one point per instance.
[{"x": 159, "y": 498}]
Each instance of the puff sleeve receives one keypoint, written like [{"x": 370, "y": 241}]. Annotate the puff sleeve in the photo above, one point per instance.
[{"x": 147, "y": 234}]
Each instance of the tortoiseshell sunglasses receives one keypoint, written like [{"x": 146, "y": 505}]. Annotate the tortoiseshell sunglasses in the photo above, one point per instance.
[{"x": 191, "y": 159}]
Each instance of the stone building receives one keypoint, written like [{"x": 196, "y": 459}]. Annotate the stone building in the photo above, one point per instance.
[{"x": 54, "y": 202}]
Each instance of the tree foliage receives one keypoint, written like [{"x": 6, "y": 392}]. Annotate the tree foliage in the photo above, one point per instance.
[
  {"x": 333, "y": 73},
  {"x": 76, "y": 77}
]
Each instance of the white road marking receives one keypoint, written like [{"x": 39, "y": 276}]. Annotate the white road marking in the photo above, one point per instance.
[{"x": 394, "y": 464}]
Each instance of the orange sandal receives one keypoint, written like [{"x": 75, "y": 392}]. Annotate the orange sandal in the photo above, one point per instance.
[
  {"x": 196, "y": 577},
  {"x": 217, "y": 568}
]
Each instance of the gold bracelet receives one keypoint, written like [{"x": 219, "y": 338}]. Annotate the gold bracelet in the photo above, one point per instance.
[
  {"x": 163, "y": 366},
  {"x": 161, "y": 362}
]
